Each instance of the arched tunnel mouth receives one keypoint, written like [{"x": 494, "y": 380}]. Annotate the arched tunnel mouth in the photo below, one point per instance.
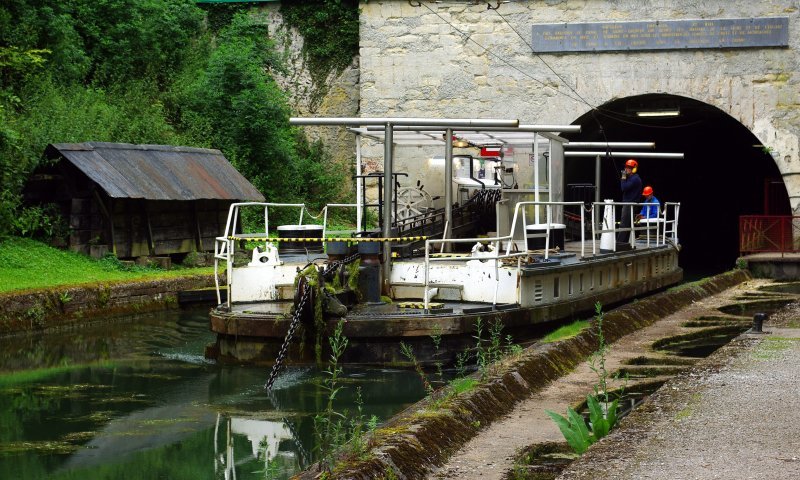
[{"x": 726, "y": 172}]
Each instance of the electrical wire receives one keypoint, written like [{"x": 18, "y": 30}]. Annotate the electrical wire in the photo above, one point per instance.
[
  {"x": 594, "y": 110},
  {"x": 466, "y": 36}
]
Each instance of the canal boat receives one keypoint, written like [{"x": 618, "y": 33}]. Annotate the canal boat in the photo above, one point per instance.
[{"x": 503, "y": 251}]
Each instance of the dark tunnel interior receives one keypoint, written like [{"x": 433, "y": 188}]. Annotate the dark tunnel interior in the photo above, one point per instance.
[{"x": 725, "y": 173}]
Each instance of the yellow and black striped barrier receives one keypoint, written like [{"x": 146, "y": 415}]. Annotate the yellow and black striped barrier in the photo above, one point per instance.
[
  {"x": 329, "y": 239},
  {"x": 450, "y": 255},
  {"x": 418, "y": 305}
]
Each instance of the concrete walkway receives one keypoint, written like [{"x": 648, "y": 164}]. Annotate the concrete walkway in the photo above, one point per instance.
[
  {"x": 735, "y": 416},
  {"x": 739, "y": 406}
]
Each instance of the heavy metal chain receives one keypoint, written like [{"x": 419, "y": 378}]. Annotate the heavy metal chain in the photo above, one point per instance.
[
  {"x": 334, "y": 265},
  {"x": 298, "y": 315}
]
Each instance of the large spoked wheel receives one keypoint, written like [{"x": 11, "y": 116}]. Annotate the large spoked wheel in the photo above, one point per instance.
[{"x": 412, "y": 201}]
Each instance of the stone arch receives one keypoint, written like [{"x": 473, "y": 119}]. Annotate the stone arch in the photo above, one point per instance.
[{"x": 724, "y": 173}]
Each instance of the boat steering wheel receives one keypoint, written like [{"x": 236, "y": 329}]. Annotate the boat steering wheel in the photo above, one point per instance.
[{"x": 412, "y": 201}]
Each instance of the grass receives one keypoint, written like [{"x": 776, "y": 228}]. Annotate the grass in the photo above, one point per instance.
[
  {"x": 565, "y": 332},
  {"x": 28, "y": 265},
  {"x": 9, "y": 379}
]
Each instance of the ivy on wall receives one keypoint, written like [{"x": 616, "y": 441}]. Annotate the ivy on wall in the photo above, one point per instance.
[{"x": 330, "y": 32}]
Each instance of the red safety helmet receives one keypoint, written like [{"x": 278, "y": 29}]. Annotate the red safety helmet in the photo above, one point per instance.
[
  {"x": 632, "y": 163},
  {"x": 647, "y": 191}
]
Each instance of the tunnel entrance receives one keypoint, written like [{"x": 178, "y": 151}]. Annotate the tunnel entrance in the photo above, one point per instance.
[{"x": 726, "y": 171}]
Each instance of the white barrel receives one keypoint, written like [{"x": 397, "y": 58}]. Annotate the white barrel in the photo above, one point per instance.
[{"x": 608, "y": 242}]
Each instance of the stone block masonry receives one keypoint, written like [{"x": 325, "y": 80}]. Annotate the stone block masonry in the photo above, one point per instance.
[{"x": 69, "y": 305}]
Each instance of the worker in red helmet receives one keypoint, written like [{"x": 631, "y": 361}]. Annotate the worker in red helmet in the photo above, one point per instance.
[
  {"x": 631, "y": 186},
  {"x": 651, "y": 204}
]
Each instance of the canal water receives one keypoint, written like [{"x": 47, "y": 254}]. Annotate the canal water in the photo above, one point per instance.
[{"x": 135, "y": 398}]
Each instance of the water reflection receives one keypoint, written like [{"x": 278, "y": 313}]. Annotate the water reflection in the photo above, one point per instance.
[{"x": 136, "y": 399}]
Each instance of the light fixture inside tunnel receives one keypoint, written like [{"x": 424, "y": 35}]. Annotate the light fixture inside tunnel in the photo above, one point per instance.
[{"x": 664, "y": 112}]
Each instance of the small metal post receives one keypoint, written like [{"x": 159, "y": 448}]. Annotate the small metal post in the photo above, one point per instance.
[{"x": 758, "y": 321}]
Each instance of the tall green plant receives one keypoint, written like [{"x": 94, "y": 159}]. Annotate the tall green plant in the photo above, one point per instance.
[
  {"x": 602, "y": 414},
  {"x": 329, "y": 426},
  {"x": 338, "y": 432}
]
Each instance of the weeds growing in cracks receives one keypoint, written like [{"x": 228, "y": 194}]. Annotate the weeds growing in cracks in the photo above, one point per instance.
[
  {"x": 336, "y": 432},
  {"x": 486, "y": 352},
  {"x": 602, "y": 411}
]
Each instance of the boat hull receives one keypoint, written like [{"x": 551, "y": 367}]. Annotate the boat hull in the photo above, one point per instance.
[{"x": 374, "y": 332}]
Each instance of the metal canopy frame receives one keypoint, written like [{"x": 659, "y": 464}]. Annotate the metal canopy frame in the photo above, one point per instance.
[
  {"x": 418, "y": 135},
  {"x": 412, "y": 131},
  {"x": 393, "y": 131}
]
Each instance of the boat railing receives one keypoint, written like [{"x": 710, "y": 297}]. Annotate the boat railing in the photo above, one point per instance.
[
  {"x": 520, "y": 210},
  {"x": 495, "y": 241},
  {"x": 653, "y": 231},
  {"x": 520, "y": 215},
  {"x": 326, "y": 210},
  {"x": 224, "y": 246}
]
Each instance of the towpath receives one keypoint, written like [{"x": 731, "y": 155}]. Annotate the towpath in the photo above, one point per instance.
[
  {"x": 491, "y": 454},
  {"x": 733, "y": 417}
]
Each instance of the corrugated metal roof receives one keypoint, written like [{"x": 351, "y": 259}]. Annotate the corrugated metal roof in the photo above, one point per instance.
[{"x": 157, "y": 172}]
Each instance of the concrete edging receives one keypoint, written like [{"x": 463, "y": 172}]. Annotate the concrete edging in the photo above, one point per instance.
[
  {"x": 67, "y": 305},
  {"x": 410, "y": 444}
]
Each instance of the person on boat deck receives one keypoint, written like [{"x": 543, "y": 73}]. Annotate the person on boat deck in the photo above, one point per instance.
[
  {"x": 651, "y": 204},
  {"x": 631, "y": 186}
]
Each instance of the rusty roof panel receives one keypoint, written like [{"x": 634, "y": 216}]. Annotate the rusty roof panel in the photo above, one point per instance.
[{"x": 157, "y": 172}]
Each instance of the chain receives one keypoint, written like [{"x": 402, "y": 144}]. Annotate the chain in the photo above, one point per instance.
[
  {"x": 334, "y": 265},
  {"x": 304, "y": 456},
  {"x": 298, "y": 314}
]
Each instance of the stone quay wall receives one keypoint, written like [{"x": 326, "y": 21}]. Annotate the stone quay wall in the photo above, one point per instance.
[{"x": 69, "y": 305}]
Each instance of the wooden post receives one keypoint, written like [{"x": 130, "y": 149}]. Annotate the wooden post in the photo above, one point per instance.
[
  {"x": 151, "y": 244},
  {"x": 108, "y": 213},
  {"x": 198, "y": 239}
]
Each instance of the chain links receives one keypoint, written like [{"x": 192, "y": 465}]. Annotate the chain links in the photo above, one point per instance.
[
  {"x": 334, "y": 265},
  {"x": 298, "y": 315}
]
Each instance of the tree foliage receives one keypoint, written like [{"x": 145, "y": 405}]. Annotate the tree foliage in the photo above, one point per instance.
[
  {"x": 330, "y": 30},
  {"x": 238, "y": 106},
  {"x": 148, "y": 71}
]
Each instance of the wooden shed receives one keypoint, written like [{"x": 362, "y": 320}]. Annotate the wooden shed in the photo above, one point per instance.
[{"x": 140, "y": 200}]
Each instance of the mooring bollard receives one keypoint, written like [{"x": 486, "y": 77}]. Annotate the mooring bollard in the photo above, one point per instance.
[{"x": 758, "y": 321}]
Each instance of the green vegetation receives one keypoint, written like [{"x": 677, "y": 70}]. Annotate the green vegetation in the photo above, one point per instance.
[
  {"x": 339, "y": 433},
  {"x": 8, "y": 379},
  {"x": 330, "y": 28},
  {"x": 161, "y": 72},
  {"x": 28, "y": 264},
  {"x": 602, "y": 411},
  {"x": 565, "y": 332}
]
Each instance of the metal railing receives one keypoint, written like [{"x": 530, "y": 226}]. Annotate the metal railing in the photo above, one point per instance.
[
  {"x": 496, "y": 243},
  {"x": 769, "y": 233},
  {"x": 666, "y": 230},
  {"x": 656, "y": 231},
  {"x": 224, "y": 246}
]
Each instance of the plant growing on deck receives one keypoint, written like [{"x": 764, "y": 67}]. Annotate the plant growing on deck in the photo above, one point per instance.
[{"x": 602, "y": 414}]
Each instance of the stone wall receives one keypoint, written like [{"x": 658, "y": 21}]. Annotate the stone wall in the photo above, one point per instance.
[
  {"x": 414, "y": 64},
  {"x": 60, "y": 306},
  {"x": 339, "y": 98}
]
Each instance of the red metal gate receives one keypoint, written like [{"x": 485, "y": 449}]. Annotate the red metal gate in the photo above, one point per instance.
[{"x": 769, "y": 233}]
